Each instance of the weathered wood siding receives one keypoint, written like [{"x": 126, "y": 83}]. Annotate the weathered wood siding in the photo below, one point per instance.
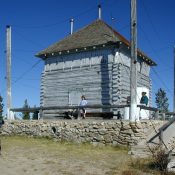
[
  {"x": 90, "y": 73},
  {"x": 122, "y": 58},
  {"x": 103, "y": 76}
]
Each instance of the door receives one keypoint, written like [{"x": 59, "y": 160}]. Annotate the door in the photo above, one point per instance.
[{"x": 75, "y": 97}]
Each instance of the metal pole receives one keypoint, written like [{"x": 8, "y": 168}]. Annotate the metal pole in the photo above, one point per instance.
[
  {"x": 71, "y": 25},
  {"x": 174, "y": 82},
  {"x": 133, "y": 76},
  {"x": 8, "y": 73},
  {"x": 99, "y": 11}
]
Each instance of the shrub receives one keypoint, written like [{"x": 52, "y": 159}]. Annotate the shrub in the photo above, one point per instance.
[{"x": 161, "y": 158}]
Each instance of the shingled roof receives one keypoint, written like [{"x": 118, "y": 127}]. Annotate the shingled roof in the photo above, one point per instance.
[{"x": 95, "y": 34}]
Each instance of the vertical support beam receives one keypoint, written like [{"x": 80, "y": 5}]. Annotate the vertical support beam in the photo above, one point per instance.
[
  {"x": 133, "y": 73},
  {"x": 161, "y": 138},
  {"x": 0, "y": 147},
  {"x": 40, "y": 114},
  {"x": 8, "y": 73},
  {"x": 71, "y": 26},
  {"x": 99, "y": 12},
  {"x": 156, "y": 115},
  {"x": 163, "y": 116},
  {"x": 174, "y": 83}
]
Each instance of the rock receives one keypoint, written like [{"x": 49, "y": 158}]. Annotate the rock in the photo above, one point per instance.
[
  {"x": 108, "y": 132},
  {"x": 171, "y": 166}
]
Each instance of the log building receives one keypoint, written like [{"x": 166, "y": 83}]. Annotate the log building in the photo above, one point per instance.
[{"x": 95, "y": 62}]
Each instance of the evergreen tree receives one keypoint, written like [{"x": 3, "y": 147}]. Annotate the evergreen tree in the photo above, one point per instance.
[
  {"x": 26, "y": 115},
  {"x": 1, "y": 107},
  {"x": 162, "y": 100}
]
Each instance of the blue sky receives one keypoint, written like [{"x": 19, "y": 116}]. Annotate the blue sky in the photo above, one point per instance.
[{"x": 38, "y": 23}]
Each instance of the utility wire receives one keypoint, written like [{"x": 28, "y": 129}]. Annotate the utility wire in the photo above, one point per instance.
[
  {"x": 148, "y": 40},
  {"x": 26, "y": 72},
  {"x": 132, "y": 86},
  {"x": 29, "y": 86},
  {"x": 20, "y": 60},
  {"x": 27, "y": 39},
  {"x": 78, "y": 15},
  {"x": 150, "y": 43},
  {"x": 150, "y": 20},
  {"x": 164, "y": 84},
  {"x": 62, "y": 21},
  {"x": 156, "y": 73},
  {"x": 16, "y": 79},
  {"x": 84, "y": 12},
  {"x": 28, "y": 78}
]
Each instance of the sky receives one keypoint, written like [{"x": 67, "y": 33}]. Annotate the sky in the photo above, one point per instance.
[{"x": 36, "y": 24}]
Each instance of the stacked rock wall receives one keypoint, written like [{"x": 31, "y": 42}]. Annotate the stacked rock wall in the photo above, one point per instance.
[{"x": 99, "y": 132}]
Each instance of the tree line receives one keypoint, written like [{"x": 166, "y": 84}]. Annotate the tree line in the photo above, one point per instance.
[{"x": 24, "y": 116}]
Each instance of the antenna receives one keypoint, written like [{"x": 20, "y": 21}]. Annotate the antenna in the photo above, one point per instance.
[
  {"x": 99, "y": 11},
  {"x": 112, "y": 20}
]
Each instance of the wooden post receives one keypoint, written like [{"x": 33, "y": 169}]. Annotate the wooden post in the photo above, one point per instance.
[
  {"x": 8, "y": 73},
  {"x": 174, "y": 82},
  {"x": 133, "y": 72},
  {"x": 40, "y": 114},
  {"x": 0, "y": 147},
  {"x": 161, "y": 137},
  {"x": 163, "y": 116},
  {"x": 156, "y": 115}
]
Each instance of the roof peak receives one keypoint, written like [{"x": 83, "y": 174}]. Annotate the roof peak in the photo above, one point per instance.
[{"x": 96, "y": 33}]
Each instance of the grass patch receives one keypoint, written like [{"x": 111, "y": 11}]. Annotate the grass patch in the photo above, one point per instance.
[
  {"x": 148, "y": 166},
  {"x": 20, "y": 153}
]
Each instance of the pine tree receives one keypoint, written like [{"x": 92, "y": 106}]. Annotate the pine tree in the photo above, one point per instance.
[
  {"x": 26, "y": 115},
  {"x": 162, "y": 100}
]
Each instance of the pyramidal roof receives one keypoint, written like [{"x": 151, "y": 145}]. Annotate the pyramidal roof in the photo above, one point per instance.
[{"x": 94, "y": 34}]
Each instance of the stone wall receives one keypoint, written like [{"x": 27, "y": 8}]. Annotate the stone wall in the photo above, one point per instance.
[{"x": 99, "y": 132}]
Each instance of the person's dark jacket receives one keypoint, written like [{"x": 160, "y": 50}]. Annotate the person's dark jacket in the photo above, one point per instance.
[{"x": 144, "y": 100}]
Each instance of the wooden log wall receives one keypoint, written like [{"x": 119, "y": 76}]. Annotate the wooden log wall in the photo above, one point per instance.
[
  {"x": 90, "y": 73},
  {"x": 103, "y": 76},
  {"x": 123, "y": 61}
]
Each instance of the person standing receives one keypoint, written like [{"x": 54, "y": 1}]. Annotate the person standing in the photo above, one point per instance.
[
  {"x": 83, "y": 103},
  {"x": 144, "y": 99}
]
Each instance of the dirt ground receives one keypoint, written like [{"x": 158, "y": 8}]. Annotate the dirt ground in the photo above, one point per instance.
[{"x": 29, "y": 156}]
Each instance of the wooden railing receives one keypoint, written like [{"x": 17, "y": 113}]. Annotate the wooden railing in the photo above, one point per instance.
[
  {"x": 75, "y": 107},
  {"x": 66, "y": 107},
  {"x": 163, "y": 128},
  {"x": 40, "y": 109}
]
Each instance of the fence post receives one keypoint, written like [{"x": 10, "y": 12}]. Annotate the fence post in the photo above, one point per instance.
[
  {"x": 161, "y": 137},
  {"x": 156, "y": 115},
  {"x": 79, "y": 114},
  {"x": 40, "y": 114},
  {"x": 163, "y": 116}
]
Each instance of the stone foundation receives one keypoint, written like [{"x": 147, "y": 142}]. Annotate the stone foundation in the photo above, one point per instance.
[{"x": 99, "y": 132}]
